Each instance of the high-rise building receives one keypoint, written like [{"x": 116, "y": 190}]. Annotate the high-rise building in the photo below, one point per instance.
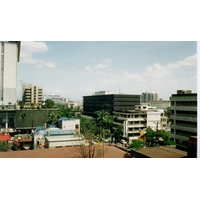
[
  {"x": 10, "y": 54},
  {"x": 183, "y": 117},
  {"x": 148, "y": 96},
  {"x": 31, "y": 93}
]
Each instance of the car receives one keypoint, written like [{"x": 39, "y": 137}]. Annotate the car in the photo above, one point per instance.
[
  {"x": 106, "y": 140},
  {"x": 123, "y": 142}
]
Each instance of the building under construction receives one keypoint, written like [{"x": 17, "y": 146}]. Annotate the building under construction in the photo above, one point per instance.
[{"x": 109, "y": 102}]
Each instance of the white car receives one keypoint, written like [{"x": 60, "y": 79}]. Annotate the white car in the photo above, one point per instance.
[{"x": 123, "y": 142}]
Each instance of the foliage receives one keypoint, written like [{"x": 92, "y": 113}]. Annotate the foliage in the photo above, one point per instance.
[
  {"x": 167, "y": 113},
  {"x": 48, "y": 104},
  {"x": 157, "y": 138},
  {"x": 88, "y": 128},
  {"x": 104, "y": 120},
  {"x": 52, "y": 118},
  {"x": 4, "y": 146},
  {"x": 67, "y": 112},
  {"x": 117, "y": 132},
  {"x": 136, "y": 144},
  {"x": 21, "y": 104}
]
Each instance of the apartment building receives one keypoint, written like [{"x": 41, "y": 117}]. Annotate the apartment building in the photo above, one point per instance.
[
  {"x": 183, "y": 117},
  {"x": 31, "y": 93},
  {"x": 10, "y": 55},
  {"x": 149, "y": 96}
]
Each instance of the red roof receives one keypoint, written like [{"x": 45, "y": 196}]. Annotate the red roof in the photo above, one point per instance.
[{"x": 5, "y": 136}]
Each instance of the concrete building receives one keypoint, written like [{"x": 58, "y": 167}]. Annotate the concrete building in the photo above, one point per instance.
[
  {"x": 109, "y": 102},
  {"x": 56, "y": 98},
  {"x": 10, "y": 55},
  {"x": 67, "y": 134},
  {"x": 183, "y": 117},
  {"x": 148, "y": 96},
  {"x": 101, "y": 93},
  {"x": 136, "y": 121},
  {"x": 32, "y": 93},
  {"x": 160, "y": 104}
]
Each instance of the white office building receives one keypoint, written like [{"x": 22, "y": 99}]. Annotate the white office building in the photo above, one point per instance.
[
  {"x": 10, "y": 54},
  {"x": 136, "y": 121}
]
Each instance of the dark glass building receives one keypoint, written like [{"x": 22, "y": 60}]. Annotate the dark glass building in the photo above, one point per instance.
[{"x": 109, "y": 102}]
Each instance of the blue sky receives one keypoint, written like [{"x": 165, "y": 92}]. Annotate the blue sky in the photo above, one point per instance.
[{"x": 75, "y": 69}]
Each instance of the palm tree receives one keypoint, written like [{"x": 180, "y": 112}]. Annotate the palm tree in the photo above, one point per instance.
[
  {"x": 52, "y": 118},
  {"x": 103, "y": 120}
]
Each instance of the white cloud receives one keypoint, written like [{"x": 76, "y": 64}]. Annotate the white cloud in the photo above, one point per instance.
[
  {"x": 188, "y": 61},
  {"x": 108, "y": 61},
  {"x": 157, "y": 71},
  {"x": 28, "y": 48},
  {"x": 100, "y": 66},
  {"x": 50, "y": 64},
  {"x": 88, "y": 69},
  {"x": 133, "y": 77},
  {"x": 100, "y": 73},
  {"x": 27, "y": 51}
]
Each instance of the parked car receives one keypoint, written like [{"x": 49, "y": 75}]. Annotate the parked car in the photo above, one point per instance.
[{"x": 123, "y": 142}]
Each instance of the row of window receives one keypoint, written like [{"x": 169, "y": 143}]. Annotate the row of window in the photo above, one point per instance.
[{"x": 184, "y": 103}]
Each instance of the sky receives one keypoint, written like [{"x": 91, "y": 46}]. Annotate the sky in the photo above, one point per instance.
[{"x": 75, "y": 69}]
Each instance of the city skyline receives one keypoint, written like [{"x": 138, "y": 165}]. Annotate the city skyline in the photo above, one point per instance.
[{"x": 76, "y": 69}]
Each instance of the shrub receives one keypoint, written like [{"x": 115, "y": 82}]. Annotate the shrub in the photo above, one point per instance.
[{"x": 4, "y": 146}]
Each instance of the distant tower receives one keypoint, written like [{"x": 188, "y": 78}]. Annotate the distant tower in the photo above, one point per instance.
[
  {"x": 10, "y": 54},
  {"x": 149, "y": 96}
]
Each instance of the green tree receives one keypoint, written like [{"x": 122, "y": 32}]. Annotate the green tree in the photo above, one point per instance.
[
  {"x": 167, "y": 113},
  {"x": 48, "y": 104},
  {"x": 104, "y": 120},
  {"x": 53, "y": 118},
  {"x": 117, "y": 132},
  {"x": 136, "y": 144},
  {"x": 156, "y": 138},
  {"x": 21, "y": 104},
  {"x": 4, "y": 146}
]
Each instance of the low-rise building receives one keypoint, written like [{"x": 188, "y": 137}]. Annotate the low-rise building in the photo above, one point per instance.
[
  {"x": 136, "y": 121},
  {"x": 160, "y": 104},
  {"x": 67, "y": 134}
]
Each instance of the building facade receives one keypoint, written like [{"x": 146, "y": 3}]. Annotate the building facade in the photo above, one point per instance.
[
  {"x": 109, "y": 102},
  {"x": 136, "y": 121},
  {"x": 183, "y": 117},
  {"x": 56, "y": 98},
  {"x": 32, "y": 93},
  {"x": 148, "y": 96},
  {"x": 10, "y": 55},
  {"x": 160, "y": 104}
]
